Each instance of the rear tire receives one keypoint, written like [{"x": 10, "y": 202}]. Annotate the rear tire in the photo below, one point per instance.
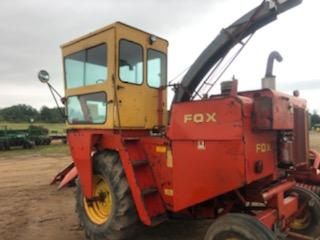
[
  {"x": 308, "y": 223},
  {"x": 238, "y": 226},
  {"x": 116, "y": 216}
]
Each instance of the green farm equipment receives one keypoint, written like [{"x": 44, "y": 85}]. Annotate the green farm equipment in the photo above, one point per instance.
[
  {"x": 4, "y": 142},
  {"x": 39, "y": 135},
  {"x": 26, "y": 138},
  {"x": 13, "y": 138}
]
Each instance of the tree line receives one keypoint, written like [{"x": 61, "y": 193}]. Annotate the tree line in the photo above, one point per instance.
[{"x": 26, "y": 113}]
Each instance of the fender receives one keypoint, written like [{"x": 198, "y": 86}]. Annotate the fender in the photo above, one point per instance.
[{"x": 82, "y": 145}]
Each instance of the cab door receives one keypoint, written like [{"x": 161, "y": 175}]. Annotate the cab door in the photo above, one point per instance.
[
  {"x": 141, "y": 72},
  {"x": 130, "y": 87}
]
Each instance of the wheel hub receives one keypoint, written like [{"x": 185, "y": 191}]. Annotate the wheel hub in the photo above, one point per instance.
[
  {"x": 302, "y": 221},
  {"x": 98, "y": 208}
]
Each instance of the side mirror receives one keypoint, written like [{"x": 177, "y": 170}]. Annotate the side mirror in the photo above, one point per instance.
[{"x": 43, "y": 76}]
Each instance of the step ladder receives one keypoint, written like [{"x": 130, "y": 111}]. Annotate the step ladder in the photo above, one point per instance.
[{"x": 145, "y": 181}]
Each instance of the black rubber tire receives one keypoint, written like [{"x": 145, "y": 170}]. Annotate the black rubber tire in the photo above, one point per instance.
[
  {"x": 28, "y": 144},
  {"x": 123, "y": 220},
  {"x": 38, "y": 142},
  {"x": 239, "y": 225},
  {"x": 7, "y": 146},
  {"x": 313, "y": 230},
  {"x": 312, "y": 187},
  {"x": 48, "y": 141}
]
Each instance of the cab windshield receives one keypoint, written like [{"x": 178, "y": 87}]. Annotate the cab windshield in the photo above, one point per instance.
[{"x": 86, "y": 67}]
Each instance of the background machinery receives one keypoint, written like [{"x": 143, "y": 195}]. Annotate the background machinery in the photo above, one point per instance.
[
  {"x": 232, "y": 157},
  {"x": 26, "y": 138}
]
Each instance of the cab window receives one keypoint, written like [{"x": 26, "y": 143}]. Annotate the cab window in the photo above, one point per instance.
[
  {"x": 86, "y": 67},
  {"x": 87, "y": 109},
  {"x": 130, "y": 62},
  {"x": 156, "y": 68}
]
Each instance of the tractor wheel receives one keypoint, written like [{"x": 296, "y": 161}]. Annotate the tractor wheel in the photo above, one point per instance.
[
  {"x": 37, "y": 142},
  {"x": 48, "y": 141},
  {"x": 7, "y": 146},
  {"x": 307, "y": 222},
  {"x": 113, "y": 214},
  {"x": 237, "y": 226},
  {"x": 28, "y": 144}
]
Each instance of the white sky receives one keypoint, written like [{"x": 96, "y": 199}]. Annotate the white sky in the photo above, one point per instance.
[{"x": 32, "y": 31}]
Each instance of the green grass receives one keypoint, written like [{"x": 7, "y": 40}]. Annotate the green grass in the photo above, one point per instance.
[
  {"x": 59, "y": 127},
  {"x": 52, "y": 150}
]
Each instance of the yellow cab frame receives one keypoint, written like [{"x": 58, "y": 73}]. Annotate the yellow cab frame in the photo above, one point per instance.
[{"x": 129, "y": 106}]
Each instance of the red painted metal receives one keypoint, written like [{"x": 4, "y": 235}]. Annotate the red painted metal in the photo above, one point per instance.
[
  {"x": 316, "y": 156},
  {"x": 59, "y": 177},
  {"x": 81, "y": 147},
  {"x": 268, "y": 217},
  {"x": 149, "y": 206},
  {"x": 300, "y": 142},
  {"x": 270, "y": 193},
  {"x": 307, "y": 173},
  {"x": 280, "y": 207},
  {"x": 213, "y": 148},
  {"x": 191, "y": 120},
  {"x": 70, "y": 176}
]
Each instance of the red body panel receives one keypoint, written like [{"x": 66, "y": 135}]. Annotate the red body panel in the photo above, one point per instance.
[
  {"x": 215, "y": 157},
  {"x": 218, "y": 119},
  {"x": 199, "y": 175}
]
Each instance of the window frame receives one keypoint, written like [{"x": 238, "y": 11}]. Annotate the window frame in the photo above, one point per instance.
[
  {"x": 166, "y": 65},
  {"x": 143, "y": 62},
  {"x": 86, "y": 123},
  {"x": 84, "y": 70}
]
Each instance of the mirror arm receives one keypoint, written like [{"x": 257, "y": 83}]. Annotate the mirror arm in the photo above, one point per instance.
[
  {"x": 51, "y": 87},
  {"x": 53, "y": 92}
]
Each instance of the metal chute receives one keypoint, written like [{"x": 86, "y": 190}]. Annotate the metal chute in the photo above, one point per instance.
[{"x": 252, "y": 21}]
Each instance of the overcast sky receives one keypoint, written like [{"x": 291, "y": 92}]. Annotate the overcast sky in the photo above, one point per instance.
[{"x": 33, "y": 30}]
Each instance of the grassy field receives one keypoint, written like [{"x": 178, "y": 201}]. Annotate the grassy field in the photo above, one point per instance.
[
  {"x": 59, "y": 127},
  {"x": 55, "y": 149},
  {"x": 52, "y": 150}
]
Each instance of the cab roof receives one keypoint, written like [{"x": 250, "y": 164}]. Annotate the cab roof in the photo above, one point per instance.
[{"x": 113, "y": 25}]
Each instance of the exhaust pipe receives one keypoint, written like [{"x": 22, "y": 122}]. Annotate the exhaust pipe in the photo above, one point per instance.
[{"x": 269, "y": 81}]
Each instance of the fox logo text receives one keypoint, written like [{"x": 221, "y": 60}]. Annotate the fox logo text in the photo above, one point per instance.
[{"x": 200, "y": 118}]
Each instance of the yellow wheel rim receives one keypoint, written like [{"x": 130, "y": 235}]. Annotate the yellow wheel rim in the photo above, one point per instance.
[
  {"x": 301, "y": 222},
  {"x": 99, "y": 208}
]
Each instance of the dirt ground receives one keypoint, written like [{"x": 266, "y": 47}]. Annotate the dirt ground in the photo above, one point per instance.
[{"x": 32, "y": 209}]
